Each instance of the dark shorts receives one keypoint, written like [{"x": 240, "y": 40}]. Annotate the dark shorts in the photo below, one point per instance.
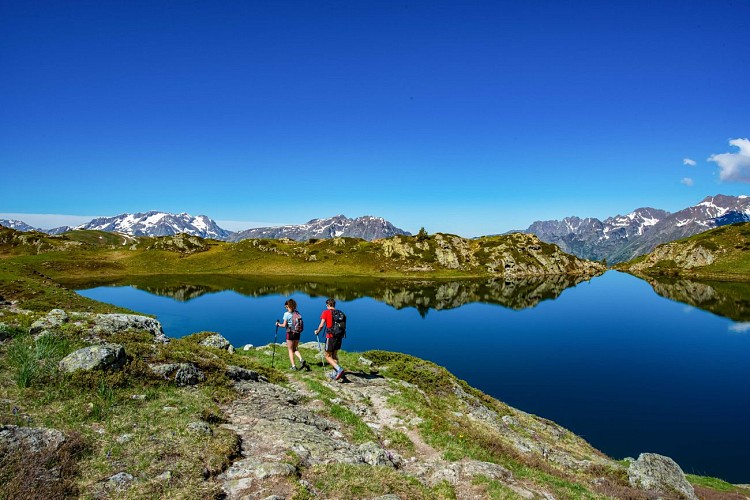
[
  {"x": 333, "y": 344},
  {"x": 291, "y": 335}
]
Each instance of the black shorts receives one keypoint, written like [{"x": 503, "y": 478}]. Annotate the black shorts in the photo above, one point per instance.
[
  {"x": 290, "y": 335},
  {"x": 333, "y": 344}
]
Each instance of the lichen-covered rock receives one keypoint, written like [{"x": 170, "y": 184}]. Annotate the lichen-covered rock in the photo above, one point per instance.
[
  {"x": 217, "y": 341},
  {"x": 34, "y": 439},
  {"x": 95, "y": 357},
  {"x": 108, "y": 324},
  {"x": 119, "y": 482},
  {"x": 181, "y": 374},
  {"x": 52, "y": 321},
  {"x": 660, "y": 473},
  {"x": 199, "y": 427}
]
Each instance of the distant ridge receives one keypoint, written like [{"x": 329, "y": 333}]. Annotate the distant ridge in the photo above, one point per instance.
[
  {"x": 624, "y": 237},
  {"x": 158, "y": 224},
  {"x": 366, "y": 227},
  {"x": 18, "y": 225},
  {"x": 155, "y": 223}
]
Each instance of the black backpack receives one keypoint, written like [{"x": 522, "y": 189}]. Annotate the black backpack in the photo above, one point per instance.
[
  {"x": 338, "y": 329},
  {"x": 296, "y": 326}
]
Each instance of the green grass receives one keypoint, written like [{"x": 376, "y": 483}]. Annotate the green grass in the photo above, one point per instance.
[
  {"x": 716, "y": 484},
  {"x": 364, "y": 481}
]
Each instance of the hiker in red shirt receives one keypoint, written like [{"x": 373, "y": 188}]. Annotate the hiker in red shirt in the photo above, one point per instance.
[{"x": 333, "y": 342}]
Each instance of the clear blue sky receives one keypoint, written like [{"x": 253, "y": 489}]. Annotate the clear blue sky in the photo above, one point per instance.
[{"x": 468, "y": 117}]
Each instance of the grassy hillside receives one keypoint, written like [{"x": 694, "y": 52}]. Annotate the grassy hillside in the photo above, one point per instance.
[
  {"x": 32, "y": 265},
  {"x": 720, "y": 254}
]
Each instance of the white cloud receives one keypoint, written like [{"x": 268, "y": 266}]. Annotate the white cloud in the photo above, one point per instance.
[
  {"x": 687, "y": 181},
  {"x": 734, "y": 167},
  {"x": 739, "y": 327},
  {"x": 688, "y": 161}
]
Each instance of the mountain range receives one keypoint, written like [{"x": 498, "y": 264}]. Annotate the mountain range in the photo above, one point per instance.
[
  {"x": 166, "y": 224},
  {"x": 367, "y": 227},
  {"x": 623, "y": 237},
  {"x": 615, "y": 239}
]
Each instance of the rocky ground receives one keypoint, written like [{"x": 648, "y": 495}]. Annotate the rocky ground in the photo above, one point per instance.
[{"x": 394, "y": 427}]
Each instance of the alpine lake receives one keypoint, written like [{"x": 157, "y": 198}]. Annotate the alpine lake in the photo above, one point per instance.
[{"x": 631, "y": 366}]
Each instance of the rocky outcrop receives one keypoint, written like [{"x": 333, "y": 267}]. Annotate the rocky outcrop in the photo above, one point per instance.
[
  {"x": 96, "y": 357},
  {"x": 511, "y": 256},
  {"x": 659, "y": 473},
  {"x": 98, "y": 326},
  {"x": 676, "y": 256}
]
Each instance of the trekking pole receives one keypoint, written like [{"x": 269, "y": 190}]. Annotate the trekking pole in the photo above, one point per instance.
[
  {"x": 320, "y": 352},
  {"x": 276, "y": 333}
]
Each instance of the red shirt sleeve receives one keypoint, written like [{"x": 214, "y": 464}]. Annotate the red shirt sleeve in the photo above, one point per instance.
[{"x": 326, "y": 315}]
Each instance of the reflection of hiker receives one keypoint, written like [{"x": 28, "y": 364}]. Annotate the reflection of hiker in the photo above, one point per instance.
[
  {"x": 333, "y": 336},
  {"x": 292, "y": 321}
]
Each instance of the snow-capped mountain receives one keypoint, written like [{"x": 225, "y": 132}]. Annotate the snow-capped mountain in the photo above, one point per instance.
[
  {"x": 158, "y": 224},
  {"x": 623, "y": 237},
  {"x": 366, "y": 227},
  {"x": 18, "y": 225}
]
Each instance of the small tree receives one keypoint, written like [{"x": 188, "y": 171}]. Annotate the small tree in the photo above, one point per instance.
[{"x": 422, "y": 235}]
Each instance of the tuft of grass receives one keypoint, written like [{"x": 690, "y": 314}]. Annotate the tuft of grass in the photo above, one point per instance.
[{"x": 35, "y": 360}]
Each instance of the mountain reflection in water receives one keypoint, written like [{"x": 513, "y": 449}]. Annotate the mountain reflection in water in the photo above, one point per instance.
[
  {"x": 724, "y": 298},
  {"x": 422, "y": 295}
]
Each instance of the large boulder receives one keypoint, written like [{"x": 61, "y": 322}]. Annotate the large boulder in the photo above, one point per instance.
[
  {"x": 108, "y": 324},
  {"x": 660, "y": 473},
  {"x": 95, "y": 357}
]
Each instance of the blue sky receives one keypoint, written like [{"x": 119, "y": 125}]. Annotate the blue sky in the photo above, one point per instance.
[{"x": 466, "y": 117}]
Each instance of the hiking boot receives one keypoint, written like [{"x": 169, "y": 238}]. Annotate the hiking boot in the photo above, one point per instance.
[
  {"x": 293, "y": 368},
  {"x": 339, "y": 374},
  {"x": 331, "y": 374}
]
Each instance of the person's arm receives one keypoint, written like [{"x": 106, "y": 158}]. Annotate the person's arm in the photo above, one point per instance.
[
  {"x": 284, "y": 322},
  {"x": 320, "y": 326}
]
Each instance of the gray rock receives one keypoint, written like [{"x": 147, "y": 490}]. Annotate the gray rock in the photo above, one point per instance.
[
  {"x": 373, "y": 454},
  {"x": 660, "y": 473},
  {"x": 199, "y": 428},
  {"x": 108, "y": 324},
  {"x": 217, "y": 341},
  {"x": 165, "y": 476},
  {"x": 125, "y": 438},
  {"x": 52, "y": 321},
  {"x": 35, "y": 439},
  {"x": 119, "y": 482},
  {"x": 365, "y": 361},
  {"x": 181, "y": 373},
  {"x": 96, "y": 357},
  {"x": 239, "y": 373}
]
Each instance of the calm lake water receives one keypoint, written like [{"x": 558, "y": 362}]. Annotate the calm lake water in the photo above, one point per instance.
[{"x": 627, "y": 369}]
